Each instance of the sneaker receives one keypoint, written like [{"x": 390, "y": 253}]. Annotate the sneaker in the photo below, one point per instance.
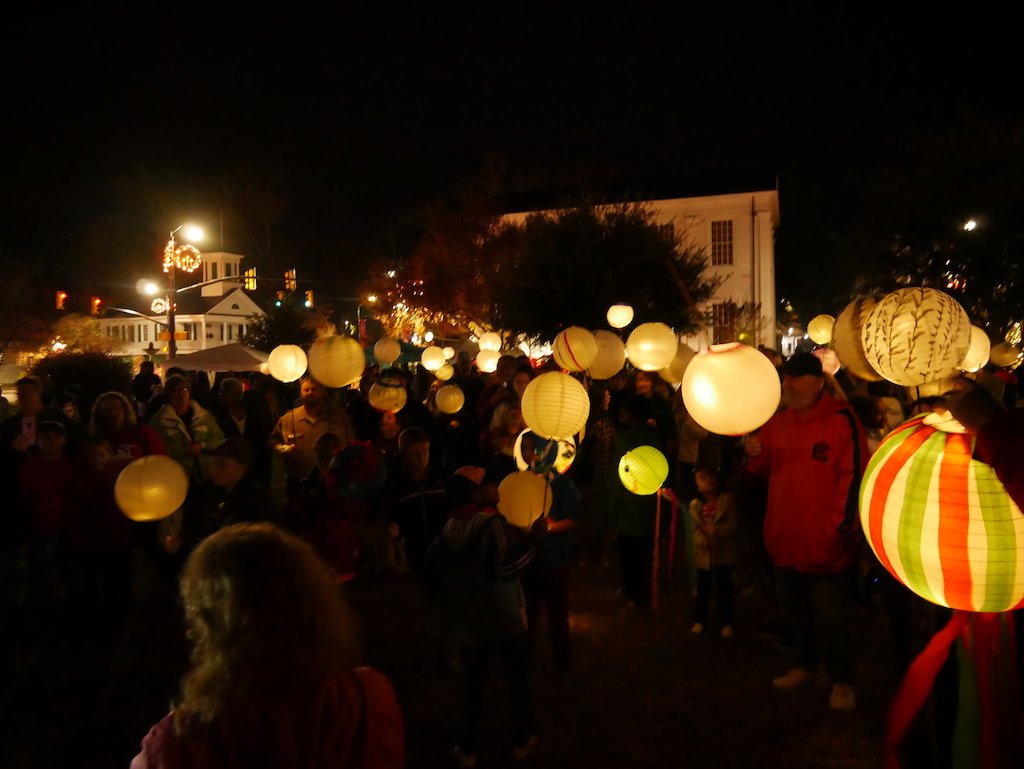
[
  {"x": 727, "y": 631},
  {"x": 526, "y": 749},
  {"x": 463, "y": 760},
  {"x": 697, "y": 628},
  {"x": 843, "y": 697},
  {"x": 795, "y": 678}
]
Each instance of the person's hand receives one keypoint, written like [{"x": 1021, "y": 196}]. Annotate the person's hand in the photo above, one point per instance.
[
  {"x": 539, "y": 528},
  {"x": 20, "y": 444},
  {"x": 972, "y": 405},
  {"x": 752, "y": 446},
  {"x": 195, "y": 449}
]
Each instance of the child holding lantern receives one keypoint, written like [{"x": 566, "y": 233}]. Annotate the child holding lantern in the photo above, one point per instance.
[{"x": 713, "y": 513}]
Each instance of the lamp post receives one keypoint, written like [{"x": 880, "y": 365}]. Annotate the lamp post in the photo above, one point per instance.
[{"x": 185, "y": 257}]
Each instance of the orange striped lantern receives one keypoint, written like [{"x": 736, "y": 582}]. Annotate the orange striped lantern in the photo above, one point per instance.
[{"x": 940, "y": 521}]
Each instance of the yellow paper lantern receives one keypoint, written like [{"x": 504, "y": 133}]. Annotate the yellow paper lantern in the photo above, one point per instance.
[
  {"x": 978, "y": 351},
  {"x": 846, "y": 337},
  {"x": 489, "y": 341},
  {"x": 487, "y": 361},
  {"x": 450, "y": 399},
  {"x": 674, "y": 371},
  {"x": 446, "y": 372},
  {"x": 643, "y": 470},
  {"x": 387, "y": 397},
  {"x": 1005, "y": 354},
  {"x": 287, "y": 362},
  {"x": 620, "y": 315},
  {"x": 151, "y": 488},
  {"x": 386, "y": 351},
  {"x": 820, "y": 329},
  {"x": 337, "y": 361},
  {"x": 731, "y": 389},
  {"x": 523, "y": 497},
  {"x": 652, "y": 346},
  {"x": 555, "y": 405},
  {"x": 574, "y": 349},
  {"x": 611, "y": 355},
  {"x": 432, "y": 358},
  {"x": 916, "y": 335},
  {"x": 829, "y": 360}
]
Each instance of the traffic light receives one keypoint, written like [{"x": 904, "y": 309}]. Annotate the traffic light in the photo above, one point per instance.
[
  {"x": 280, "y": 299},
  {"x": 250, "y": 279},
  {"x": 309, "y": 299},
  {"x": 96, "y": 305},
  {"x": 290, "y": 281},
  {"x": 62, "y": 300}
]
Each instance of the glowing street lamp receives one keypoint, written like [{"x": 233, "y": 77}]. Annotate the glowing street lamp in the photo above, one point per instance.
[
  {"x": 183, "y": 256},
  {"x": 970, "y": 225}
]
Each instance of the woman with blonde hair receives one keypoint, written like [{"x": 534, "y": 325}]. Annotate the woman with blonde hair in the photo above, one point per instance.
[{"x": 273, "y": 681}]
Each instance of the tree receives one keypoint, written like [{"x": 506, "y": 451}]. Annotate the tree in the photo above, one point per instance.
[
  {"x": 87, "y": 374},
  {"x": 81, "y": 333},
  {"x": 291, "y": 323}
]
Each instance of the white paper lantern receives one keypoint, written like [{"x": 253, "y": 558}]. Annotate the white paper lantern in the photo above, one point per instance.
[
  {"x": 620, "y": 315},
  {"x": 916, "y": 335},
  {"x": 1004, "y": 354},
  {"x": 978, "y": 351},
  {"x": 151, "y": 488},
  {"x": 829, "y": 360},
  {"x": 450, "y": 399},
  {"x": 574, "y": 349},
  {"x": 337, "y": 361},
  {"x": 524, "y": 497},
  {"x": 731, "y": 389},
  {"x": 673, "y": 372},
  {"x": 432, "y": 358},
  {"x": 449, "y": 353},
  {"x": 652, "y": 346},
  {"x": 446, "y": 372},
  {"x": 489, "y": 341},
  {"x": 386, "y": 351},
  {"x": 487, "y": 361},
  {"x": 846, "y": 339},
  {"x": 386, "y": 397},
  {"x": 287, "y": 362},
  {"x": 820, "y": 329},
  {"x": 611, "y": 355},
  {"x": 555, "y": 405}
]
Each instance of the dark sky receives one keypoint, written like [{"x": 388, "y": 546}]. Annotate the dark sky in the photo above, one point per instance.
[{"x": 364, "y": 117}]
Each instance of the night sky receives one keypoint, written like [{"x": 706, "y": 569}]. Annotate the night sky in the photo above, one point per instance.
[{"x": 357, "y": 121}]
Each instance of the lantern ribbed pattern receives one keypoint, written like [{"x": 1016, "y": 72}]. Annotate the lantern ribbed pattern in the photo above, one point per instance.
[
  {"x": 846, "y": 338},
  {"x": 446, "y": 372},
  {"x": 387, "y": 397},
  {"x": 820, "y": 329},
  {"x": 940, "y": 521},
  {"x": 151, "y": 488},
  {"x": 916, "y": 335},
  {"x": 643, "y": 470},
  {"x": 673, "y": 373},
  {"x": 611, "y": 355},
  {"x": 523, "y": 497},
  {"x": 489, "y": 341},
  {"x": 432, "y": 358},
  {"x": 450, "y": 399},
  {"x": 487, "y": 361},
  {"x": 731, "y": 389},
  {"x": 651, "y": 346},
  {"x": 620, "y": 315},
  {"x": 387, "y": 351},
  {"x": 337, "y": 361},
  {"x": 574, "y": 349},
  {"x": 555, "y": 405},
  {"x": 978, "y": 351},
  {"x": 286, "y": 362},
  {"x": 1004, "y": 354}
]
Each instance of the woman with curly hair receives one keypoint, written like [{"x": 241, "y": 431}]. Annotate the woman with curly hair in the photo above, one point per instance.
[{"x": 273, "y": 681}]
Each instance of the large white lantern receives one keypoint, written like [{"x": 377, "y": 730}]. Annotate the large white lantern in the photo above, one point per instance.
[
  {"x": 387, "y": 397},
  {"x": 450, "y": 399},
  {"x": 287, "y": 362},
  {"x": 487, "y": 361},
  {"x": 151, "y": 488},
  {"x": 978, "y": 351},
  {"x": 620, "y": 315},
  {"x": 916, "y": 335},
  {"x": 820, "y": 329},
  {"x": 846, "y": 339},
  {"x": 574, "y": 349},
  {"x": 523, "y": 497},
  {"x": 652, "y": 346},
  {"x": 337, "y": 361},
  {"x": 731, "y": 389},
  {"x": 611, "y": 355},
  {"x": 386, "y": 351},
  {"x": 555, "y": 405},
  {"x": 446, "y": 372},
  {"x": 489, "y": 341},
  {"x": 673, "y": 372},
  {"x": 432, "y": 358}
]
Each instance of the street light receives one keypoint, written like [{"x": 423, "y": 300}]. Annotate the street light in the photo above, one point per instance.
[{"x": 185, "y": 257}]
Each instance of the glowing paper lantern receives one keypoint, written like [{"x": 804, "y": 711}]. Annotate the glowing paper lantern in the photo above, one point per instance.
[
  {"x": 151, "y": 488},
  {"x": 574, "y": 349},
  {"x": 432, "y": 358},
  {"x": 446, "y": 372},
  {"x": 555, "y": 405},
  {"x": 643, "y": 470},
  {"x": 620, "y": 315},
  {"x": 559, "y": 454},
  {"x": 940, "y": 521},
  {"x": 489, "y": 341},
  {"x": 846, "y": 337},
  {"x": 611, "y": 355},
  {"x": 829, "y": 360},
  {"x": 387, "y": 351},
  {"x": 487, "y": 361},
  {"x": 449, "y": 353},
  {"x": 387, "y": 397},
  {"x": 731, "y": 389},
  {"x": 450, "y": 399},
  {"x": 820, "y": 329},
  {"x": 1004, "y": 354},
  {"x": 337, "y": 361},
  {"x": 652, "y": 346},
  {"x": 673, "y": 372},
  {"x": 978, "y": 351},
  {"x": 287, "y": 362},
  {"x": 524, "y": 497},
  {"x": 916, "y": 335}
]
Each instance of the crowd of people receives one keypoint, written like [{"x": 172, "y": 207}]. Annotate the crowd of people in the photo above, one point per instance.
[{"x": 295, "y": 493}]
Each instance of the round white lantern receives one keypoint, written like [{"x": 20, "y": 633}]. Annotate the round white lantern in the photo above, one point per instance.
[
  {"x": 574, "y": 349},
  {"x": 978, "y": 351},
  {"x": 652, "y": 346},
  {"x": 287, "y": 362},
  {"x": 151, "y": 488},
  {"x": 386, "y": 351},
  {"x": 673, "y": 372},
  {"x": 489, "y": 341},
  {"x": 450, "y": 399},
  {"x": 611, "y": 355},
  {"x": 386, "y": 397},
  {"x": 731, "y": 389},
  {"x": 643, "y": 470},
  {"x": 555, "y": 405},
  {"x": 449, "y": 353},
  {"x": 487, "y": 361},
  {"x": 446, "y": 372},
  {"x": 820, "y": 329},
  {"x": 337, "y": 361},
  {"x": 916, "y": 335},
  {"x": 620, "y": 315},
  {"x": 846, "y": 337},
  {"x": 1004, "y": 354},
  {"x": 523, "y": 497},
  {"x": 829, "y": 360},
  {"x": 432, "y": 358}
]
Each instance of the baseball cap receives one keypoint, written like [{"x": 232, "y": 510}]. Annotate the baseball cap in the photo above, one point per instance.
[{"x": 802, "y": 364}]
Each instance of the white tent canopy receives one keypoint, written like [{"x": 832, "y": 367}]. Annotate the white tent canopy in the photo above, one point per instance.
[{"x": 227, "y": 357}]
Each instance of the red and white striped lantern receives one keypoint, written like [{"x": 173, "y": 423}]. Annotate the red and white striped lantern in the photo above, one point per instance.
[
  {"x": 574, "y": 349},
  {"x": 940, "y": 521}
]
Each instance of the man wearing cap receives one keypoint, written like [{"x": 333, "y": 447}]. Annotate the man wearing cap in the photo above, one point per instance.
[{"x": 812, "y": 454}]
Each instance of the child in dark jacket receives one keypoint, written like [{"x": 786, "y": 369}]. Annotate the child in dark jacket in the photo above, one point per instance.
[{"x": 713, "y": 513}]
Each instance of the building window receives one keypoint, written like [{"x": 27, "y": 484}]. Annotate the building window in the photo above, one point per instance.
[
  {"x": 213, "y": 271},
  {"x": 721, "y": 242},
  {"x": 723, "y": 322},
  {"x": 145, "y": 333}
]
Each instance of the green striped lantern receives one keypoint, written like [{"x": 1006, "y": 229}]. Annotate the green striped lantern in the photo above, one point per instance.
[{"x": 940, "y": 521}]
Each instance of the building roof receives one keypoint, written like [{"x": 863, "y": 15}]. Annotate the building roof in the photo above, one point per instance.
[{"x": 189, "y": 303}]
